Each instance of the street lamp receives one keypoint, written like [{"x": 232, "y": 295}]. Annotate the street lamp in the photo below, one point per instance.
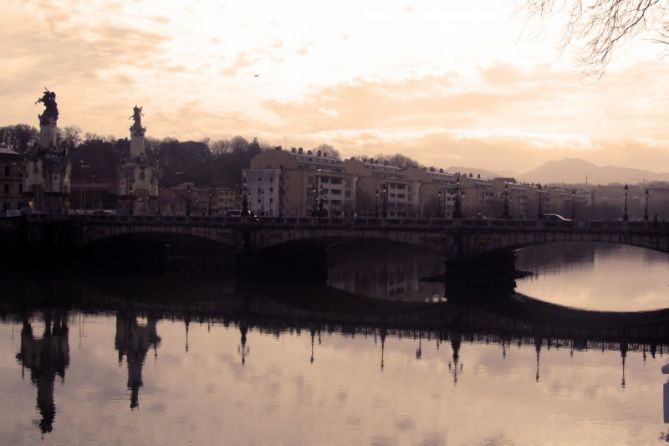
[
  {"x": 16, "y": 195},
  {"x": 506, "y": 215},
  {"x": 211, "y": 194},
  {"x": 245, "y": 202},
  {"x": 376, "y": 203},
  {"x": 314, "y": 199},
  {"x": 321, "y": 202},
  {"x": 626, "y": 217},
  {"x": 573, "y": 204},
  {"x": 457, "y": 206},
  {"x": 540, "y": 213},
  {"x": 384, "y": 197},
  {"x": 82, "y": 198},
  {"x": 645, "y": 212},
  {"x": 439, "y": 204},
  {"x": 188, "y": 199}
]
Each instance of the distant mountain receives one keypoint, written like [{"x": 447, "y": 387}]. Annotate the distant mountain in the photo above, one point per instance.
[
  {"x": 474, "y": 171},
  {"x": 575, "y": 171}
]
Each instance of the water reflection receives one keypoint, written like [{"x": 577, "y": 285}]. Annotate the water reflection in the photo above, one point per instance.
[
  {"x": 382, "y": 270},
  {"x": 45, "y": 357},
  {"x": 134, "y": 341},
  {"x": 334, "y": 366},
  {"x": 596, "y": 276}
]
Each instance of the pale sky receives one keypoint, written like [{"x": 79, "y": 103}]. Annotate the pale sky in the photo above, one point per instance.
[{"x": 449, "y": 82}]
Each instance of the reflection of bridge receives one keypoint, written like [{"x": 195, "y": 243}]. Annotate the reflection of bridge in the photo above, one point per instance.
[
  {"x": 279, "y": 309},
  {"x": 452, "y": 238}
]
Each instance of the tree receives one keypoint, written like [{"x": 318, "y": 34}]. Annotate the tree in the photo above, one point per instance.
[
  {"x": 327, "y": 150},
  {"x": 70, "y": 136},
  {"x": 19, "y": 137},
  {"x": 600, "y": 26},
  {"x": 398, "y": 160}
]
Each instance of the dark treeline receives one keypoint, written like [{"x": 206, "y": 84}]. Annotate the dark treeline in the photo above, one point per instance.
[{"x": 205, "y": 163}]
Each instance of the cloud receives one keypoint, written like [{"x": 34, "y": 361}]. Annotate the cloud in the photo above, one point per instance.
[{"x": 242, "y": 60}]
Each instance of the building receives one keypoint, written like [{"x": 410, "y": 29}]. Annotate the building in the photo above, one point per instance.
[
  {"x": 382, "y": 190},
  {"x": 298, "y": 183},
  {"x": 224, "y": 199},
  {"x": 437, "y": 191},
  {"x": 261, "y": 187},
  {"x": 11, "y": 180}
]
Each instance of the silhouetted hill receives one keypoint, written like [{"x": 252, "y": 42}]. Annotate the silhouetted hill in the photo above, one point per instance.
[{"x": 575, "y": 171}]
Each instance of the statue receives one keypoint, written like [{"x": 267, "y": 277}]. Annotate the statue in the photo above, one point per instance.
[
  {"x": 51, "y": 108},
  {"x": 136, "y": 117}
]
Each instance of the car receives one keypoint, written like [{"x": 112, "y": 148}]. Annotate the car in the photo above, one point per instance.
[
  {"x": 554, "y": 217},
  {"x": 233, "y": 213},
  {"x": 237, "y": 213},
  {"x": 103, "y": 212}
]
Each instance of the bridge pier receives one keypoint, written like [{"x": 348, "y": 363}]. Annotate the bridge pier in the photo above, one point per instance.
[
  {"x": 494, "y": 270},
  {"x": 296, "y": 263}
]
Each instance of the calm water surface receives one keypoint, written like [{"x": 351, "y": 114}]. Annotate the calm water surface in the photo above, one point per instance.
[{"x": 174, "y": 361}]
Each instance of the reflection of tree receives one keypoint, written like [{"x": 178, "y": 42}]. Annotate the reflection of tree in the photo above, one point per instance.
[
  {"x": 133, "y": 341},
  {"x": 46, "y": 358}
]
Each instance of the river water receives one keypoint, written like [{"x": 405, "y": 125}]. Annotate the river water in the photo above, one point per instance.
[{"x": 378, "y": 357}]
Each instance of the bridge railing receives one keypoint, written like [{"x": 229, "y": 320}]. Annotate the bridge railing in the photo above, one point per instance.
[{"x": 359, "y": 222}]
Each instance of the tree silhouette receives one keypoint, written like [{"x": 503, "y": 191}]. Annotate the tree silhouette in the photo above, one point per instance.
[{"x": 600, "y": 26}]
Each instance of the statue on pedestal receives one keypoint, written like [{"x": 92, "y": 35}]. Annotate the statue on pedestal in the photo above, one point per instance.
[
  {"x": 50, "y": 113},
  {"x": 136, "y": 128}
]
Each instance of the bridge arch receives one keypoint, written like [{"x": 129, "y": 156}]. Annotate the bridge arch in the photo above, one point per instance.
[{"x": 477, "y": 244}]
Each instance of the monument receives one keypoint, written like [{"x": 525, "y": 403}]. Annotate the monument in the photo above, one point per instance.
[
  {"x": 47, "y": 163},
  {"x": 138, "y": 174}
]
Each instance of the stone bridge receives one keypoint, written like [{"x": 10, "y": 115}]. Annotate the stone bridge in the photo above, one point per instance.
[{"x": 452, "y": 238}]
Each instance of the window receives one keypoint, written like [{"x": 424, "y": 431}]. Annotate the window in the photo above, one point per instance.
[
  {"x": 7, "y": 171},
  {"x": 6, "y": 188}
]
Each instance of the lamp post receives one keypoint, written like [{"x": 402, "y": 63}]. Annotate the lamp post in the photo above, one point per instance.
[
  {"x": 506, "y": 214},
  {"x": 573, "y": 204},
  {"x": 540, "y": 212},
  {"x": 188, "y": 199},
  {"x": 314, "y": 200},
  {"x": 321, "y": 202},
  {"x": 384, "y": 197},
  {"x": 626, "y": 217},
  {"x": 245, "y": 202},
  {"x": 82, "y": 198},
  {"x": 645, "y": 212},
  {"x": 16, "y": 195},
  {"x": 93, "y": 193},
  {"x": 439, "y": 204},
  {"x": 457, "y": 206},
  {"x": 211, "y": 195},
  {"x": 376, "y": 203}
]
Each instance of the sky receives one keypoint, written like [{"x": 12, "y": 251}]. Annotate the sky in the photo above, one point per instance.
[{"x": 450, "y": 83}]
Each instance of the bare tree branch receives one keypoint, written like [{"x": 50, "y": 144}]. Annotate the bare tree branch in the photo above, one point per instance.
[{"x": 598, "y": 27}]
